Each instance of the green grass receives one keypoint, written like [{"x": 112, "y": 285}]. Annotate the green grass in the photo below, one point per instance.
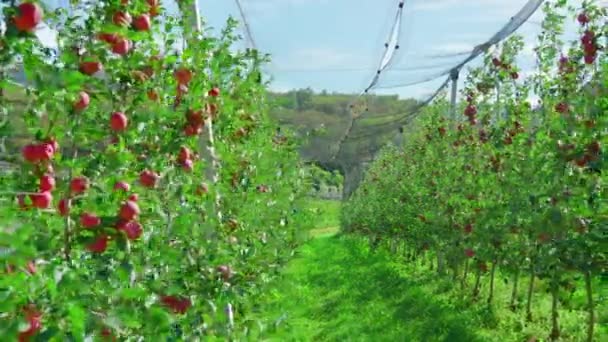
[
  {"x": 325, "y": 212},
  {"x": 336, "y": 290}
]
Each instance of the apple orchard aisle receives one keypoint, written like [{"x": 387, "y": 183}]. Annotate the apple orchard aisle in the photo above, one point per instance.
[{"x": 336, "y": 289}]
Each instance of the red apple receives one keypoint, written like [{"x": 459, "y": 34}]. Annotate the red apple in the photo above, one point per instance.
[
  {"x": 177, "y": 305},
  {"x": 118, "y": 121},
  {"x": 142, "y": 22},
  {"x": 120, "y": 185},
  {"x": 129, "y": 211},
  {"x": 109, "y": 38},
  {"x": 34, "y": 319},
  {"x": 47, "y": 183},
  {"x": 214, "y": 92},
  {"x": 90, "y": 67},
  {"x": 469, "y": 253},
  {"x": 121, "y": 46},
  {"x": 29, "y": 15},
  {"x": 188, "y": 165},
  {"x": 82, "y": 101},
  {"x": 30, "y": 153},
  {"x": 42, "y": 200},
  {"x": 79, "y": 185},
  {"x": 121, "y": 18},
  {"x": 183, "y": 76},
  {"x": 148, "y": 178},
  {"x": 184, "y": 153},
  {"x": 63, "y": 207},
  {"x": 131, "y": 228},
  {"x": 583, "y": 19},
  {"x": 99, "y": 245},
  {"x": 192, "y": 130},
  {"x": 133, "y": 197},
  {"x": 562, "y": 107},
  {"x": 470, "y": 110},
  {"x": 89, "y": 220}
]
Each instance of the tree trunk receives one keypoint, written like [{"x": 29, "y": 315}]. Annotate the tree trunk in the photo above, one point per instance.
[
  {"x": 554, "y": 314},
  {"x": 463, "y": 281},
  {"x": 492, "y": 273},
  {"x": 477, "y": 284},
  {"x": 590, "y": 306},
  {"x": 530, "y": 290},
  {"x": 514, "y": 292},
  {"x": 440, "y": 262}
]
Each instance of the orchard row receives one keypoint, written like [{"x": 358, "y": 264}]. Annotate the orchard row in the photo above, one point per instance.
[
  {"x": 511, "y": 187},
  {"x": 155, "y": 198}
]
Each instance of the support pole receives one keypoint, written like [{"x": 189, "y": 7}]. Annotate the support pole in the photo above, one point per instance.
[
  {"x": 206, "y": 141},
  {"x": 454, "y": 77}
]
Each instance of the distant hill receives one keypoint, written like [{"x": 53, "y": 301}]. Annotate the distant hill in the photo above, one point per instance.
[{"x": 323, "y": 119}]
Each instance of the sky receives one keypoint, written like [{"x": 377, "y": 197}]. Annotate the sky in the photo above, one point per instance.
[{"x": 336, "y": 45}]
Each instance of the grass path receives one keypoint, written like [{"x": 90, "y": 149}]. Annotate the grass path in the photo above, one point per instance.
[{"x": 335, "y": 290}]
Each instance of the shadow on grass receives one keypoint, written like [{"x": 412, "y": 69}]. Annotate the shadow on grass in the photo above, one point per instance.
[{"x": 337, "y": 291}]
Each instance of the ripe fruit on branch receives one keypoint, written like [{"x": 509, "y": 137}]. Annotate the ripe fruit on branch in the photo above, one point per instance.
[
  {"x": 89, "y": 220},
  {"x": 82, "y": 101},
  {"x": 121, "y": 46},
  {"x": 99, "y": 245},
  {"x": 214, "y": 92},
  {"x": 177, "y": 304},
  {"x": 187, "y": 165},
  {"x": 148, "y": 178},
  {"x": 470, "y": 110},
  {"x": 184, "y": 154},
  {"x": 183, "y": 76},
  {"x": 79, "y": 185},
  {"x": 90, "y": 67},
  {"x": 41, "y": 200},
  {"x": 583, "y": 19},
  {"x": 121, "y": 18},
  {"x": 562, "y": 107},
  {"x": 39, "y": 152},
  {"x": 133, "y": 197},
  {"x": 109, "y": 38},
  {"x": 34, "y": 319},
  {"x": 63, "y": 207},
  {"x": 469, "y": 253},
  {"x": 120, "y": 185},
  {"x": 129, "y": 211},
  {"x": 29, "y": 15},
  {"x": 118, "y": 121},
  {"x": 47, "y": 183},
  {"x": 142, "y": 22},
  {"x": 132, "y": 229}
]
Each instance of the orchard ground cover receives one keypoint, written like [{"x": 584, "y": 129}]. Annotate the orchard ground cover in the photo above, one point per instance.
[{"x": 339, "y": 289}]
